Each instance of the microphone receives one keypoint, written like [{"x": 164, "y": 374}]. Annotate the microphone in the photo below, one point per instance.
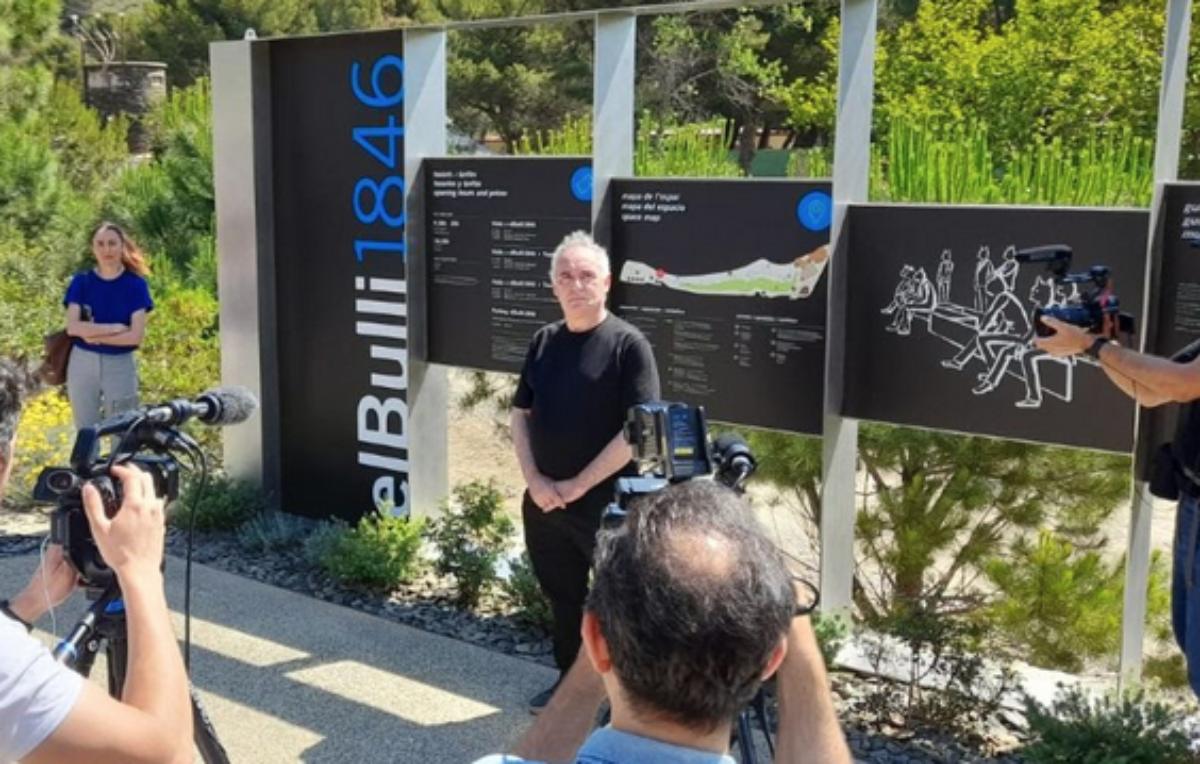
[
  {"x": 217, "y": 407},
  {"x": 735, "y": 463}
]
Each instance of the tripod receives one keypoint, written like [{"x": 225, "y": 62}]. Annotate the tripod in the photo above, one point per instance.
[
  {"x": 743, "y": 729},
  {"x": 103, "y": 626}
]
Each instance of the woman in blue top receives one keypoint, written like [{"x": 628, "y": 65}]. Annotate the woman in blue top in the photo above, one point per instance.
[{"x": 106, "y": 314}]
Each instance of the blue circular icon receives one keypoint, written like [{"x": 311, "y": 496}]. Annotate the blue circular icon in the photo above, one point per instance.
[
  {"x": 815, "y": 211},
  {"x": 581, "y": 184}
]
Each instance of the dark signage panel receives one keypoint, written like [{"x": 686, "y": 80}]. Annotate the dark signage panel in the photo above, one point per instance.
[
  {"x": 337, "y": 122},
  {"x": 726, "y": 279},
  {"x": 492, "y": 224},
  {"x": 939, "y": 321},
  {"x": 1175, "y": 311}
]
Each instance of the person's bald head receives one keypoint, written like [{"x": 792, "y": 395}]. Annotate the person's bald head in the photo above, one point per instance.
[{"x": 692, "y": 599}]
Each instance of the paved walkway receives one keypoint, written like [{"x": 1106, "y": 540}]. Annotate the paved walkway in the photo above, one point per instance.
[{"x": 288, "y": 678}]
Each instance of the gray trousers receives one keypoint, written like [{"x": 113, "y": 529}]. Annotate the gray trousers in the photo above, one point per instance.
[{"x": 100, "y": 385}]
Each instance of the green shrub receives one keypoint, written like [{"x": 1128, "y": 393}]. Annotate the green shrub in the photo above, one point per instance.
[
  {"x": 223, "y": 504},
  {"x": 321, "y": 540},
  {"x": 381, "y": 552},
  {"x": 523, "y": 593},
  {"x": 1170, "y": 671},
  {"x": 956, "y": 672},
  {"x": 272, "y": 530},
  {"x": 470, "y": 537},
  {"x": 1126, "y": 730},
  {"x": 831, "y": 632}
]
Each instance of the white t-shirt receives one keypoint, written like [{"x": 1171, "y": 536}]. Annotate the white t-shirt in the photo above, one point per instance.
[{"x": 36, "y": 693}]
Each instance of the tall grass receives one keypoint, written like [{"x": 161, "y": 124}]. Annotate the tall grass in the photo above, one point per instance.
[
  {"x": 957, "y": 165},
  {"x": 693, "y": 150}
]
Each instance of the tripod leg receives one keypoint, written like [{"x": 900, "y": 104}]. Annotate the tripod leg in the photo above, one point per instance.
[
  {"x": 759, "y": 704},
  {"x": 746, "y": 738},
  {"x": 211, "y": 750},
  {"x": 116, "y": 651},
  {"x": 84, "y": 663}
]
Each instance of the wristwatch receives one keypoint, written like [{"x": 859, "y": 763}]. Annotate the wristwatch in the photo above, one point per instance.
[
  {"x": 8, "y": 611},
  {"x": 1094, "y": 349}
]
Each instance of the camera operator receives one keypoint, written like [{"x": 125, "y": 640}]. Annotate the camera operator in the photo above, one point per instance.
[
  {"x": 1152, "y": 381},
  {"x": 49, "y": 713},
  {"x": 691, "y": 609}
]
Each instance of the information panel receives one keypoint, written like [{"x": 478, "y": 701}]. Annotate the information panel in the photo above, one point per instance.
[
  {"x": 492, "y": 224},
  {"x": 337, "y": 114},
  {"x": 1175, "y": 311},
  {"x": 940, "y": 316},
  {"x": 726, "y": 280}
]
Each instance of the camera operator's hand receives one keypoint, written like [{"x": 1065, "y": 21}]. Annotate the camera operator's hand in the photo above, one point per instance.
[
  {"x": 1067, "y": 340},
  {"x": 131, "y": 542},
  {"x": 544, "y": 493},
  {"x": 808, "y": 725},
  {"x": 152, "y": 720},
  {"x": 53, "y": 581}
]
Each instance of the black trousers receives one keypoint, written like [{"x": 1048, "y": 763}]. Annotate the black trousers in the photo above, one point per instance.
[{"x": 560, "y": 545}]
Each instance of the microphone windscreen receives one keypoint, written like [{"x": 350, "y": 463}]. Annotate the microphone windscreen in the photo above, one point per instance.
[
  {"x": 727, "y": 440},
  {"x": 232, "y": 405}
]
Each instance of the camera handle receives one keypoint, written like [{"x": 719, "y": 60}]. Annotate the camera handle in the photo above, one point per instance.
[{"x": 103, "y": 625}]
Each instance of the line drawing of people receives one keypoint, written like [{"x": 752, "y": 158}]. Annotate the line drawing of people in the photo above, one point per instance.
[
  {"x": 914, "y": 294},
  {"x": 1045, "y": 294},
  {"x": 1004, "y": 327},
  {"x": 1000, "y": 333},
  {"x": 902, "y": 292},
  {"x": 1007, "y": 272},
  {"x": 945, "y": 270},
  {"x": 1041, "y": 294},
  {"x": 984, "y": 270}
]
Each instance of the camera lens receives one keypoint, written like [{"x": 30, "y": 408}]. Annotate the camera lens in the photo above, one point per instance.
[{"x": 61, "y": 481}]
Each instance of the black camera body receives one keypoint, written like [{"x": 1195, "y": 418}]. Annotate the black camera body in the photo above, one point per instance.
[
  {"x": 670, "y": 445},
  {"x": 64, "y": 487},
  {"x": 669, "y": 440},
  {"x": 1097, "y": 308}
]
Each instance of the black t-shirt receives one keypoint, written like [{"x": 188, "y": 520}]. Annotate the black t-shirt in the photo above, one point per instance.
[{"x": 578, "y": 387}]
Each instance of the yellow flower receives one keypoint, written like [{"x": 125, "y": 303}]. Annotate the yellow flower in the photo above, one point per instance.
[{"x": 45, "y": 436}]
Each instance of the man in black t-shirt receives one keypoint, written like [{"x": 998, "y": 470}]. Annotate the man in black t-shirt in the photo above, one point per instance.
[
  {"x": 580, "y": 377},
  {"x": 1151, "y": 381}
]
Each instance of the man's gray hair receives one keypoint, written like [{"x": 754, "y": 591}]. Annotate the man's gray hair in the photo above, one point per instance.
[{"x": 581, "y": 240}]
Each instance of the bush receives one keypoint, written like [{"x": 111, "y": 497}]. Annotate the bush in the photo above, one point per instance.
[
  {"x": 272, "y": 530},
  {"x": 381, "y": 552},
  {"x": 956, "y": 672},
  {"x": 181, "y": 355},
  {"x": 45, "y": 436},
  {"x": 1169, "y": 671},
  {"x": 523, "y": 593},
  {"x": 321, "y": 540},
  {"x": 470, "y": 537},
  {"x": 1128, "y": 730},
  {"x": 831, "y": 632},
  {"x": 223, "y": 504}
]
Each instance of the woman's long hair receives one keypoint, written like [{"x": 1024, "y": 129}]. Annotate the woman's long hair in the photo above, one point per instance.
[{"x": 131, "y": 255}]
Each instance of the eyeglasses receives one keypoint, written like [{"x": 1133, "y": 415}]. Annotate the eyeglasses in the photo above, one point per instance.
[{"x": 584, "y": 278}]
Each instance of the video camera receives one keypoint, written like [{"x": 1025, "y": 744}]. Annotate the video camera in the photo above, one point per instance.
[
  {"x": 670, "y": 445},
  {"x": 1096, "y": 308},
  {"x": 151, "y": 428}
]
